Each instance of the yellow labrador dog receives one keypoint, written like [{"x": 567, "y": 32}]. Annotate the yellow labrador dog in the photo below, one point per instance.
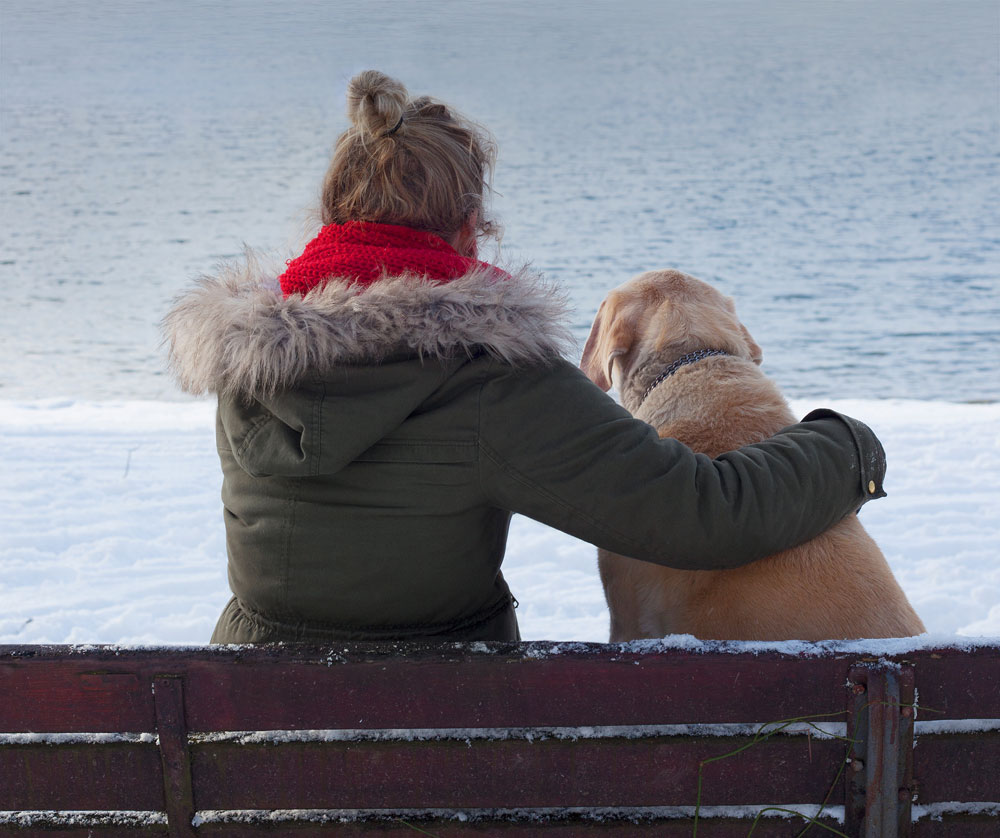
[{"x": 684, "y": 363}]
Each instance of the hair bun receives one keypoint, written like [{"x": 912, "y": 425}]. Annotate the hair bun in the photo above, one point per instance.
[{"x": 375, "y": 103}]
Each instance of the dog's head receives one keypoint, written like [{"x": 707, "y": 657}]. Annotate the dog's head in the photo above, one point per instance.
[{"x": 661, "y": 314}]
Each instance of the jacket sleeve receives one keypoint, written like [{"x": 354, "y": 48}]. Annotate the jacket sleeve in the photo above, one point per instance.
[{"x": 553, "y": 447}]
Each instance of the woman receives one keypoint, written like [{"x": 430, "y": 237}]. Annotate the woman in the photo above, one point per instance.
[{"x": 388, "y": 402}]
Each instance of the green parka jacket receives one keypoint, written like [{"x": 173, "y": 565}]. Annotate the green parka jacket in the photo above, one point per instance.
[{"x": 375, "y": 443}]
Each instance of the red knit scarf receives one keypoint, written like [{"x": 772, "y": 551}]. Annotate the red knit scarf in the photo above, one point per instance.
[{"x": 365, "y": 251}]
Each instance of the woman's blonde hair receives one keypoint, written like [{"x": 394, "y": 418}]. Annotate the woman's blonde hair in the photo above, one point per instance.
[{"x": 413, "y": 162}]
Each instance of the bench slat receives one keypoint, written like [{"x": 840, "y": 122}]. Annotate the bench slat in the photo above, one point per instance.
[
  {"x": 956, "y": 826},
  {"x": 119, "y": 776},
  {"x": 958, "y": 767},
  {"x": 512, "y": 773},
  {"x": 949, "y": 826},
  {"x": 104, "y": 831},
  {"x": 91, "y": 695},
  {"x": 105, "y": 693},
  {"x": 572, "y": 828},
  {"x": 486, "y": 692},
  {"x": 959, "y": 685}
]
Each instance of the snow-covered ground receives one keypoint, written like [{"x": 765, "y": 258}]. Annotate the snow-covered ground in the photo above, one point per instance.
[{"x": 111, "y": 526}]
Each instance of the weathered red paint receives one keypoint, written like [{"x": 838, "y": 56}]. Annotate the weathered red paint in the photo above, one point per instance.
[
  {"x": 119, "y": 776},
  {"x": 955, "y": 766},
  {"x": 60, "y": 689},
  {"x": 168, "y": 698},
  {"x": 512, "y": 774}
]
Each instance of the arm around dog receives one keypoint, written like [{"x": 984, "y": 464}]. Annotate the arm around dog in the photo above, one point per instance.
[{"x": 555, "y": 448}]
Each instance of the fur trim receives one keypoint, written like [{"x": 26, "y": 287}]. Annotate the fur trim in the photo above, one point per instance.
[{"x": 235, "y": 334}]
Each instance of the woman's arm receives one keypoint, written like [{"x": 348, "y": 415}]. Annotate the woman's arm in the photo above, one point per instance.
[{"x": 554, "y": 447}]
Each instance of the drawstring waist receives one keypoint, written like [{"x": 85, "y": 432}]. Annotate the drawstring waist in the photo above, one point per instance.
[{"x": 306, "y": 630}]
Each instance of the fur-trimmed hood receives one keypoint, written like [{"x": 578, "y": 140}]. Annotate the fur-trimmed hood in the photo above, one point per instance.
[{"x": 235, "y": 333}]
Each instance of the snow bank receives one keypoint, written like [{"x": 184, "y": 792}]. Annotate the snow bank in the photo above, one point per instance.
[{"x": 111, "y": 527}]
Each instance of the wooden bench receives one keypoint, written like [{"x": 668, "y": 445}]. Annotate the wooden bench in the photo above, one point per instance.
[{"x": 499, "y": 739}]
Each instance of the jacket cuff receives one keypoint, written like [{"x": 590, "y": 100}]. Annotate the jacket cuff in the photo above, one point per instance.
[{"x": 871, "y": 454}]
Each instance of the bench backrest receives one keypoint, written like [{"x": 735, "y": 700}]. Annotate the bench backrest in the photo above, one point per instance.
[{"x": 499, "y": 738}]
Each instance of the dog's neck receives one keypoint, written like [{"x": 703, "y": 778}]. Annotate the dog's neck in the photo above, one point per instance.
[{"x": 646, "y": 378}]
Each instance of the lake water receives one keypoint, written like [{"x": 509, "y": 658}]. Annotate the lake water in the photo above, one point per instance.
[{"x": 832, "y": 165}]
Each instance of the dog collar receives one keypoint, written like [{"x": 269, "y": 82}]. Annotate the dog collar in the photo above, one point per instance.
[{"x": 683, "y": 361}]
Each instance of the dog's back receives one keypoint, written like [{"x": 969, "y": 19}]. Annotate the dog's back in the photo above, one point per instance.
[{"x": 835, "y": 586}]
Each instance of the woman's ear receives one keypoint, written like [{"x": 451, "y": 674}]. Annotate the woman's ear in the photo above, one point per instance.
[{"x": 465, "y": 241}]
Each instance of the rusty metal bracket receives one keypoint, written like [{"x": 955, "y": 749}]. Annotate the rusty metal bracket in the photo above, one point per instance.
[
  {"x": 168, "y": 696},
  {"x": 879, "y": 779}
]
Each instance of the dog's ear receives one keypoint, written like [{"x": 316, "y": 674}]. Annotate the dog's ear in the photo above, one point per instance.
[
  {"x": 591, "y": 363},
  {"x": 611, "y": 335},
  {"x": 756, "y": 353}
]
